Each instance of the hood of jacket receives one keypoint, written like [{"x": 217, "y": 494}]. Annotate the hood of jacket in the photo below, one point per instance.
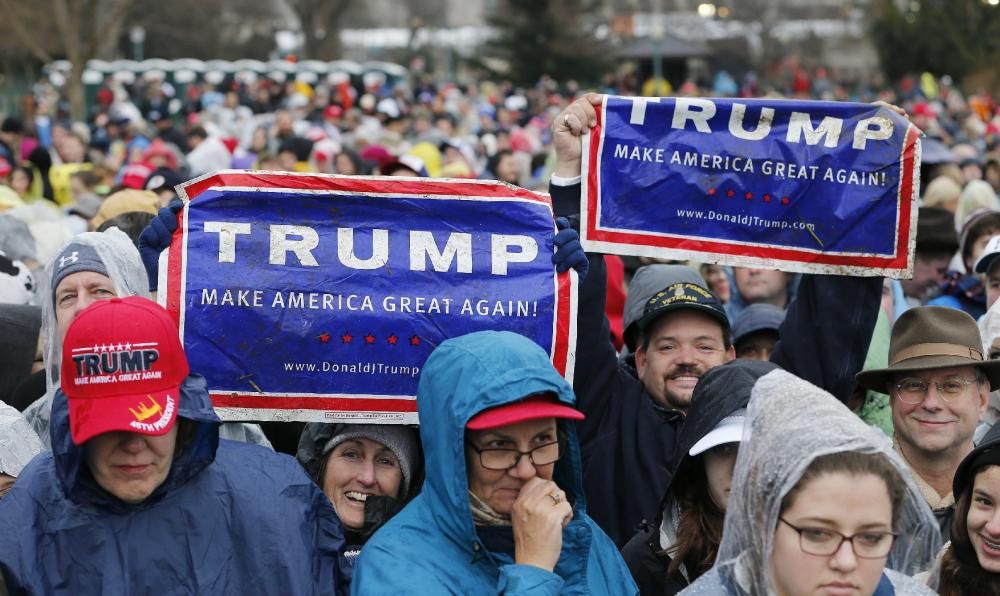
[
  {"x": 76, "y": 480},
  {"x": 463, "y": 377},
  {"x": 792, "y": 423},
  {"x": 720, "y": 392},
  {"x": 18, "y": 441}
]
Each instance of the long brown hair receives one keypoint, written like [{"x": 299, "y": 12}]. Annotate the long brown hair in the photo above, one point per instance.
[
  {"x": 699, "y": 529},
  {"x": 963, "y": 575}
]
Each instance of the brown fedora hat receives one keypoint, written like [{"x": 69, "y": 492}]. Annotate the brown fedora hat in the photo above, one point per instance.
[{"x": 930, "y": 337}]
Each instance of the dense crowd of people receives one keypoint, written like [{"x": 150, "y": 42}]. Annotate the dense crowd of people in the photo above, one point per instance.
[{"x": 728, "y": 430}]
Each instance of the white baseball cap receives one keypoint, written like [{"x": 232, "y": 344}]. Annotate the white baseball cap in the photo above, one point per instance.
[
  {"x": 989, "y": 256},
  {"x": 728, "y": 430}
]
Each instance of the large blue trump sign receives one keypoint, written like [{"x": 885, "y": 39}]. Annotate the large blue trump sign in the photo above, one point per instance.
[
  {"x": 311, "y": 297},
  {"x": 801, "y": 186}
]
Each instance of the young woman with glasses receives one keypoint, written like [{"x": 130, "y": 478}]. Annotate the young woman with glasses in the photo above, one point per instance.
[{"x": 820, "y": 504}]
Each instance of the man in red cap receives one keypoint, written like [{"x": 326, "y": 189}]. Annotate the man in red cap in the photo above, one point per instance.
[{"x": 140, "y": 492}]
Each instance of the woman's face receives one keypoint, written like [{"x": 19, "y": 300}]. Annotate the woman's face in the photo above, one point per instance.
[
  {"x": 983, "y": 521},
  {"x": 355, "y": 470},
  {"x": 839, "y": 502},
  {"x": 719, "y": 464},
  {"x": 718, "y": 281},
  {"x": 500, "y": 488}
]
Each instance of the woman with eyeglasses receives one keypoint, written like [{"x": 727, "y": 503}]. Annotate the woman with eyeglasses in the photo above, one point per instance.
[
  {"x": 820, "y": 504},
  {"x": 501, "y": 510}
]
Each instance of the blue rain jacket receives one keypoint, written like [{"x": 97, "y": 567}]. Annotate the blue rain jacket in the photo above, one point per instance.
[
  {"x": 230, "y": 518},
  {"x": 431, "y": 546}
]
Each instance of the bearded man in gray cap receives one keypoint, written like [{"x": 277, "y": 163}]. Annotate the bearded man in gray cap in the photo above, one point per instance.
[{"x": 938, "y": 380}]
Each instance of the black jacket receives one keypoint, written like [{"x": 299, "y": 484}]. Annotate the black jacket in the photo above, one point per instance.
[
  {"x": 629, "y": 445},
  {"x": 648, "y": 569}
]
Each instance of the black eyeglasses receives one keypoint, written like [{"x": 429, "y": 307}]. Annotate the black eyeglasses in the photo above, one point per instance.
[
  {"x": 824, "y": 542},
  {"x": 505, "y": 459}
]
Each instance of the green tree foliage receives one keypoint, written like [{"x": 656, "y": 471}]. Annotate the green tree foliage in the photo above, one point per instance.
[
  {"x": 954, "y": 37},
  {"x": 553, "y": 37}
]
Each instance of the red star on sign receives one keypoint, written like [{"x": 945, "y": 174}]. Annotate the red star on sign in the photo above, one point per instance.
[
  {"x": 346, "y": 337},
  {"x": 414, "y": 341},
  {"x": 767, "y": 198},
  {"x": 785, "y": 200},
  {"x": 748, "y": 196},
  {"x": 324, "y": 338},
  {"x": 711, "y": 192},
  {"x": 392, "y": 339},
  {"x": 369, "y": 339},
  {"x": 730, "y": 193}
]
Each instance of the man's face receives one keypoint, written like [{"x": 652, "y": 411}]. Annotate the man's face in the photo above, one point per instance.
[
  {"x": 129, "y": 465},
  {"x": 76, "y": 292},
  {"x": 935, "y": 426},
  {"x": 683, "y": 345},
  {"x": 72, "y": 149},
  {"x": 928, "y": 272},
  {"x": 762, "y": 285}
]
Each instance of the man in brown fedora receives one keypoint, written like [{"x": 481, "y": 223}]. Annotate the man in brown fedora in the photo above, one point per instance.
[{"x": 939, "y": 381}]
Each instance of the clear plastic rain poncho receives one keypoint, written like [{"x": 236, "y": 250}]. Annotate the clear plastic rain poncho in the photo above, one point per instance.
[
  {"x": 989, "y": 331},
  {"x": 124, "y": 266},
  {"x": 791, "y": 423},
  {"x": 18, "y": 442}
]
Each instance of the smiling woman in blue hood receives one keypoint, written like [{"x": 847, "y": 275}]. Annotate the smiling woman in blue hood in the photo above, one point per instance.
[
  {"x": 118, "y": 511},
  {"x": 497, "y": 514}
]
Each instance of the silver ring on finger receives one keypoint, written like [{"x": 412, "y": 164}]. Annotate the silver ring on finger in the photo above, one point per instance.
[
  {"x": 566, "y": 119},
  {"x": 556, "y": 497}
]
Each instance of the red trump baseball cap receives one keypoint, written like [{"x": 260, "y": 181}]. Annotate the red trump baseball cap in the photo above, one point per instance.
[{"x": 122, "y": 368}]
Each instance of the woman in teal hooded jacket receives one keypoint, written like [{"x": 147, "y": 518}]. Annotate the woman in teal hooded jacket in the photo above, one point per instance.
[{"x": 437, "y": 544}]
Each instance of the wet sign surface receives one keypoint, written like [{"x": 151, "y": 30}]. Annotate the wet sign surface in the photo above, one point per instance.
[
  {"x": 818, "y": 187},
  {"x": 311, "y": 297}
]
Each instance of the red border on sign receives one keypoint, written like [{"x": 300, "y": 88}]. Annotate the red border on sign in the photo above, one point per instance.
[
  {"x": 897, "y": 261},
  {"x": 409, "y": 187},
  {"x": 304, "y": 402},
  {"x": 363, "y": 184}
]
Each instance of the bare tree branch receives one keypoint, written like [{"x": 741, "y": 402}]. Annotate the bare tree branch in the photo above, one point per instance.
[
  {"x": 16, "y": 19},
  {"x": 104, "y": 38}
]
